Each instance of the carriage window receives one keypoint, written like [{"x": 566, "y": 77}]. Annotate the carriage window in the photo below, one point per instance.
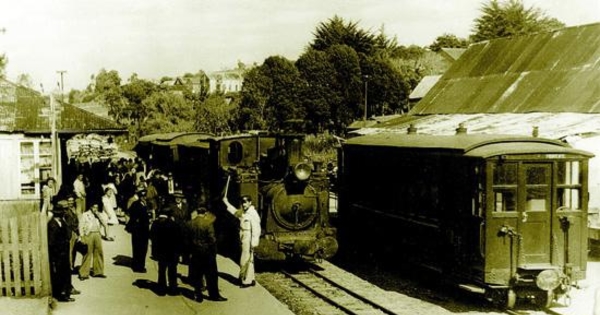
[
  {"x": 569, "y": 198},
  {"x": 236, "y": 152},
  {"x": 505, "y": 174},
  {"x": 536, "y": 199},
  {"x": 568, "y": 173},
  {"x": 569, "y": 185},
  {"x": 505, "y": 201},
  {"x": 537, "y": 188},
  {"x": 505, "y": 187}
]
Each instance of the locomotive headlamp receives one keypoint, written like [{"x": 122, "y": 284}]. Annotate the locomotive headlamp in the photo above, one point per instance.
[
  {"x": 548, "y": 280},
  {"x": 302, "y": 171}
]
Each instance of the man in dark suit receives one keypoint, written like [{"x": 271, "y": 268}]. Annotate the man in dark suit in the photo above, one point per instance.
[
  {"x": 59, "y": 236},
  {"x": 166, "y": 244},
  {"x": 203, "y": 262},
  {"x": 139, "y": 227},
  {"x": 180, "y": 212}
]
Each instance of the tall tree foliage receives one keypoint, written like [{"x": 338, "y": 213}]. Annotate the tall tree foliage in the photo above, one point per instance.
[
  {"x": 165, "y": 111},
  {"x": 338, "y": 32},
  {"x": 448, "y": 41},
  {"x": 216, "y": 114},
  {"x": 270, "y": 95},
  {"x": 501, "y": 19},
  {"x": 3, "y": 63},
  {"x": 107, "y": 87},
  {"x": 358, "y": 58},
  {"x": 318, "y": 94}
]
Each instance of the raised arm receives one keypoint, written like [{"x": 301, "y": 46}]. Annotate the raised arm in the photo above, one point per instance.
[{"x": 229, "y": 206}]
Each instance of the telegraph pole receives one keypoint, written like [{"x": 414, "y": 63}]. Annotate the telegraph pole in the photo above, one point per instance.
[
  {"x": 366, "y": 77},
  {"x": 62, "y": 84}
]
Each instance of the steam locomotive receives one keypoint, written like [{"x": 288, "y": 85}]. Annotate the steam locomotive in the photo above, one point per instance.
[
  {"x": 500, "y": 215},
  {"x": 291, "y": 194}
]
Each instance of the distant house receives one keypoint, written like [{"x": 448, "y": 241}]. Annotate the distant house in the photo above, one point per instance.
[
  {"x": 229, "y": 81},
  {"x": 545, "y": 83}
]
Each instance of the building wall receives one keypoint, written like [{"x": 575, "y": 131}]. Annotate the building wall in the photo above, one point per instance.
[{"x": 26, "y": 163}]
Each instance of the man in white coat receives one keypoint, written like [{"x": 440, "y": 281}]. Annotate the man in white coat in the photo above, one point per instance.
[{"x": 249, "y": 237}]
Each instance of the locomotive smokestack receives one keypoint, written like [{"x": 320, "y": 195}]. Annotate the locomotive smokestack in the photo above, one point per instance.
[
  {"x": 412, "y": 130},
  {"x": 461, "y": 129}
]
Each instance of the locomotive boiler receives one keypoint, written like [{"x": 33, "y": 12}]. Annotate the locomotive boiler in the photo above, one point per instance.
[
  {"x": 500, "y": 215},
  {"x": 290, "y": 192}
]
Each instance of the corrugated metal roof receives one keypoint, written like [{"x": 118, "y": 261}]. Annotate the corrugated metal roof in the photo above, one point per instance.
[
  {"x": 547, "y": 72},
  {"x": 25, "y": 110},
  {"x": 424, "y": 86}
]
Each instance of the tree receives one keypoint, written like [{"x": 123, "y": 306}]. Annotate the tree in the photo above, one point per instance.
[
  {"x": 448, "y": 41},
  {"x": 134, "y": 94},
  {"x": 337, "y": 32},
  {"x": 107, "y": 88},
  {"x": 216, "y": 115},
  {"x": 317, "y": 94},
  {"x": 270, "y": 95},
  {"x": 501, "y": 19},
  {"x": 164, "y": 111},
  {"x": 3, "y": 63},
  {"x": 24, "y": 79}
]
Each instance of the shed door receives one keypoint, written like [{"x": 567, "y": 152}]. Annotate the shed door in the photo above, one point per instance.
[{"x": 534, "y": 213}]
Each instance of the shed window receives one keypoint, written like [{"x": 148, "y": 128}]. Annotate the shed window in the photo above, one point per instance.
[{"x": 35, "y": 165}]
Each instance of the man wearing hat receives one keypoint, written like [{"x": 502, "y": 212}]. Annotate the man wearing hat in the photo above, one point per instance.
[
  {"x": 203, "y": 262},
  {"x": 179, "y": 211},
  {"x": 139, "y": 227},
  {"x": 166, "y": 246},
  {"x": 59, "y": 236}
]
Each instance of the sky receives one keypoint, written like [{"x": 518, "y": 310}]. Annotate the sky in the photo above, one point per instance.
[{"x": 156, "y": 38}]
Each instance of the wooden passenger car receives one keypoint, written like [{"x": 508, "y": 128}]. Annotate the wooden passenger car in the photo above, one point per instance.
[{"x": 505, "y": 216}]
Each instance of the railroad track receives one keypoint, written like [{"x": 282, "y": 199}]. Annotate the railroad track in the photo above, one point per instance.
[
  {"x": 337, "y": 295},
  {"x": 335, "y": 292}
]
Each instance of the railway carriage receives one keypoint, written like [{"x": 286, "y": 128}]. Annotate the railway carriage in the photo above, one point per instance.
[
  {"x": 500, "y": 215},
  {"x": 291, "y": 194}
]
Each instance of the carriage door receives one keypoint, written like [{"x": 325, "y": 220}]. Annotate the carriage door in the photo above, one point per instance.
[{"x": 534, "y": 213}]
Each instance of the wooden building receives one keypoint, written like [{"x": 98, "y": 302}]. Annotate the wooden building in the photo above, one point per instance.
[{"x": 34, "y": 130}]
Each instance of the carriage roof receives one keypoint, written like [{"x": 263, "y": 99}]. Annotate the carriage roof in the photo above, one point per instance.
[
  {"x": 476, "y": 145},
  {"x": 172, "y": 138}
]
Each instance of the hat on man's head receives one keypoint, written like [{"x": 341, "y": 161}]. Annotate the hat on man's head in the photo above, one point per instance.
[
  {"x": 61, "y": 206},
  {"x": 111, "y": 186},
  {"x": 201, "y": 209},
  {"x": 141, "y": 189},
  {"x": 178, "y": 194}
]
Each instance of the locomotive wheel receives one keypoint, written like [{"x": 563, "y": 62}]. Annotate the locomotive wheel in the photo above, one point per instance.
[{"x": 511, "y": 298}]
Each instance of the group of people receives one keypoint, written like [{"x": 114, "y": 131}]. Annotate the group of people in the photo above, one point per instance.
[
  {"x": 68, "y": 231},
  {"x": 156, "y": 215}
]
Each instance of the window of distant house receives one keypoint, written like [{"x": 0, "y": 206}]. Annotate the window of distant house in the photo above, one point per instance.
[{"x": 35, "y": 165}]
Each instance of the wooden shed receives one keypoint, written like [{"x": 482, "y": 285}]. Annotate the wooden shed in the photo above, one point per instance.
[{"x": 34, "y": 130}]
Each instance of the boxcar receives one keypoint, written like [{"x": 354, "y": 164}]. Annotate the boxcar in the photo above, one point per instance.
[{"x": 501, "y": 215}]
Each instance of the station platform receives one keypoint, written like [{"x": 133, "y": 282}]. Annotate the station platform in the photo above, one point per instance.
[{"x": 126, "y": 292}]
